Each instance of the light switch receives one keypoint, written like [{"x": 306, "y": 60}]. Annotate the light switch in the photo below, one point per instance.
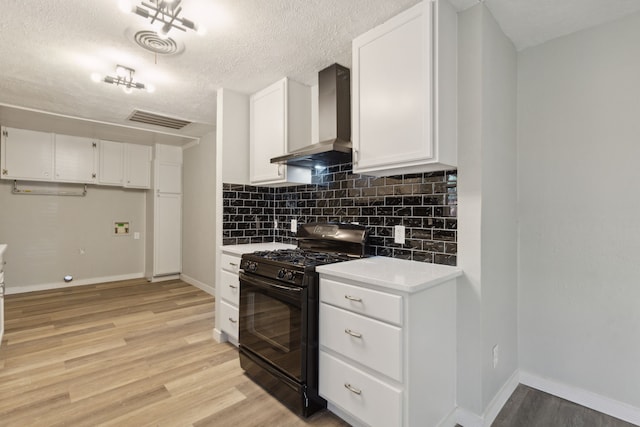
[{"x": 294, "y": 225}]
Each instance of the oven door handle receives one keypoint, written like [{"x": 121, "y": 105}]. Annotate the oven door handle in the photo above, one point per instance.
[{"x": 268, "y": 285}]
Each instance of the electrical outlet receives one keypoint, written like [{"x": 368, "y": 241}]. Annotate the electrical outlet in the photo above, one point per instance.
[
  {"x": 294, "y": 225},
  {"x": 275, "y": 224},
  {"x": 136, "y": 235},
  {"x": 398, "y": 234},
  {"x": 496, "y": 350}
]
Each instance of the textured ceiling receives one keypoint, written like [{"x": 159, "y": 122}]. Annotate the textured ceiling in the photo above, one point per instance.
[
  {"x": 531, "y": 22},
  {"x": 49, "y": 49}
]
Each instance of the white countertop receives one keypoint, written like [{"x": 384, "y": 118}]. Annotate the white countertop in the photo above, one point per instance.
[
  {"x": 392, "y": 273},
  {"x": 252, "y": 247}
]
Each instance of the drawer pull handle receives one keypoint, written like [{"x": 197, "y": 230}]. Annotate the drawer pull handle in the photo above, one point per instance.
[
  {"x": 232, "y": 320},
  {"x": 233, "y": 264},
  {"x": 233, "y": 287},
  {"x": 354, "y": 299},
  {"x": 352, "y": 333},
  {"x": 352, "y": 389}
]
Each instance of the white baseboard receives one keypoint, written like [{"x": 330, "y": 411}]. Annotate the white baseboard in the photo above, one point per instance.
[
  {"x": 583, "y": 397},
  {"x": 450, "y": 420},
  {"x": 498, "y": 401},
  {"x": 10, "y": 290},
  {"x": 198, "y": 284},
  {"x": 467, "y": 418}
]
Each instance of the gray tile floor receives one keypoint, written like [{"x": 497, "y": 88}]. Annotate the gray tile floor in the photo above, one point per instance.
[{"x": 528, "y": 407}]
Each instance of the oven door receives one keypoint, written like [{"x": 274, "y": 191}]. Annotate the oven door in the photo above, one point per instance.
[{"x": 272, "y": 322}]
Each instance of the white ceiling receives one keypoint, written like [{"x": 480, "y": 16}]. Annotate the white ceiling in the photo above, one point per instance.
[{"x": 49, "y": 49}]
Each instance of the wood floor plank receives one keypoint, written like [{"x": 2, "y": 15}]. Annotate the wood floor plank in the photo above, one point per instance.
[{"x": 128, "y": 353}]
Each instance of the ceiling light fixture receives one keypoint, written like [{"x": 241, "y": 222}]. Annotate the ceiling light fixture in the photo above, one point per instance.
[
  {"x": 124, "y": 78},
  {"x": 165, "y": 13}
]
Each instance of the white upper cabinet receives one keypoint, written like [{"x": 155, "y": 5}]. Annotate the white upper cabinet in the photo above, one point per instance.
[
  {"x": 279, "y": 114},
  {"x": 137, "y": 166},
  {"x": 75, "y": 159},
  {"x": 404, "y": 93},
  {"x": 26, "y": 154},
  {"x": 111, "y": 171}
]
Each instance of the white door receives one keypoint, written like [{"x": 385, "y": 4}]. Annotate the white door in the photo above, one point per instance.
[
  {"x": 169, "y": 178},
  {"x": 111, "y": 163},
  {"x": 75, "y": 159},
  {"x": 137, "y": 161},
  {"x": 268, "y": 132},
  {"x": 27, "y": 154},
  {"x": 168, "y": 234},
  {"x": 392, "y": 123}
]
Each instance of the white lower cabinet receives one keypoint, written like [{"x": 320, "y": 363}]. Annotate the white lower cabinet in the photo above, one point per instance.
[
  {"x": 375, "y": 344},
  {"x": 229, "y": 320},
  {"x": 387, "y": 356},
  {"x": 229, "y": 292},
  {"x": 372, "y": 400}
]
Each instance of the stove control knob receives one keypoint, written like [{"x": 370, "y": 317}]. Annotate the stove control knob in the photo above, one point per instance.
[
  {"x": 289, "y": 275},
  {"x": 281, "y": 273},
  {"x": 252, "y": 266}
]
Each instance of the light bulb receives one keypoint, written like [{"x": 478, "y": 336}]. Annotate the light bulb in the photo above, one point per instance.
[
  {"x": 121, "y": 71},
  {"x": 127, "y": 89},
  {"x": 150, "y": 88},
  {"x": 96, "y": 77},
  {"x": 201, "y": 30},
  {"x": 126, "y": 6}
]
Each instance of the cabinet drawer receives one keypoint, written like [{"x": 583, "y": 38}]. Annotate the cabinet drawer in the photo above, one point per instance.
[
  {"x": 230, "y": 263},
  {"x": 230, "y": 287},
  {"x": 362, "y": 395},
  {"x": 371, "y": 303},
  {"x": 372, "y": 343},
  {"x": 229, "y": 319}
]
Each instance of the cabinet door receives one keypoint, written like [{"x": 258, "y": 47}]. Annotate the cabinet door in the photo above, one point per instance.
[
  {"x": 168, "y": 234},
  {"x": 75, "y": 159},
  {"x": 268, "y": 109},
  {"x": 392, "y": 88},
  {"x": 137, "y": 166},
  {"x": 26, "y": 154},
  {"x": 111, "y": 170},
  {"x": 169, "y": 177}
]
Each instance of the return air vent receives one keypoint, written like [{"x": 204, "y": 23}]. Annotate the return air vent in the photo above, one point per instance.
[{"x": 157, "y": 120}]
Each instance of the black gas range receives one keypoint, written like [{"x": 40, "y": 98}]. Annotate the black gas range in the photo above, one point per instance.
[{"x": 279, "y": 307}]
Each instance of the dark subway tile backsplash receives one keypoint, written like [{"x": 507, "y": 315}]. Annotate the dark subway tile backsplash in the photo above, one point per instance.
[{"x": 426, "y": 204}]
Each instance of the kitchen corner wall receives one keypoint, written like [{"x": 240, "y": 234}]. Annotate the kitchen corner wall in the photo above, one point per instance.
[{"x": 426, "y": 204}]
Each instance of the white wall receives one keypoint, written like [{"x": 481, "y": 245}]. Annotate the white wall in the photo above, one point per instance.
[
  {"x": 46, "y": 235},
  {"x": 487, "y": 246},
  {"x": 199, "y": 202},
  {"x": 579, "y": 147}
]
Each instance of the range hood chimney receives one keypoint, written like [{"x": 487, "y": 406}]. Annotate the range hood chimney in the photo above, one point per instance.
[{"x": 334, "y": 123}]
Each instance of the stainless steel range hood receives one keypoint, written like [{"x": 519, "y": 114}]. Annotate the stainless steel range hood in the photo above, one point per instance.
[{"x": 334, "y": 123}]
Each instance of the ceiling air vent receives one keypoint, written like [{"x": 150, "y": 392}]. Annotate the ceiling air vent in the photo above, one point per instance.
[{"x": 157, "y": 120}]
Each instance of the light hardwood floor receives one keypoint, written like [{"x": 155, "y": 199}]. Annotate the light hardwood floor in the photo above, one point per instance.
[{"x": 128, "y": 353}]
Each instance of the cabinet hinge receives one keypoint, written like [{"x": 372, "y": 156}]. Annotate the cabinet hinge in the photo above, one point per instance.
[
  {"x": 93, "y": 175},
  {"x": 95, "y": 144},
  {"x": 5, "y": 172},
  {"x": 5, "y": 133}
]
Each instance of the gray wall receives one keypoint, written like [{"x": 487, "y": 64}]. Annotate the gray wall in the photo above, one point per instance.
[
  {"x": 487, "y": 232},
  {"x": 46, "y": 235},
  {"x": 579, "y": 145},
  {"x": 198, "y": 224}
]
